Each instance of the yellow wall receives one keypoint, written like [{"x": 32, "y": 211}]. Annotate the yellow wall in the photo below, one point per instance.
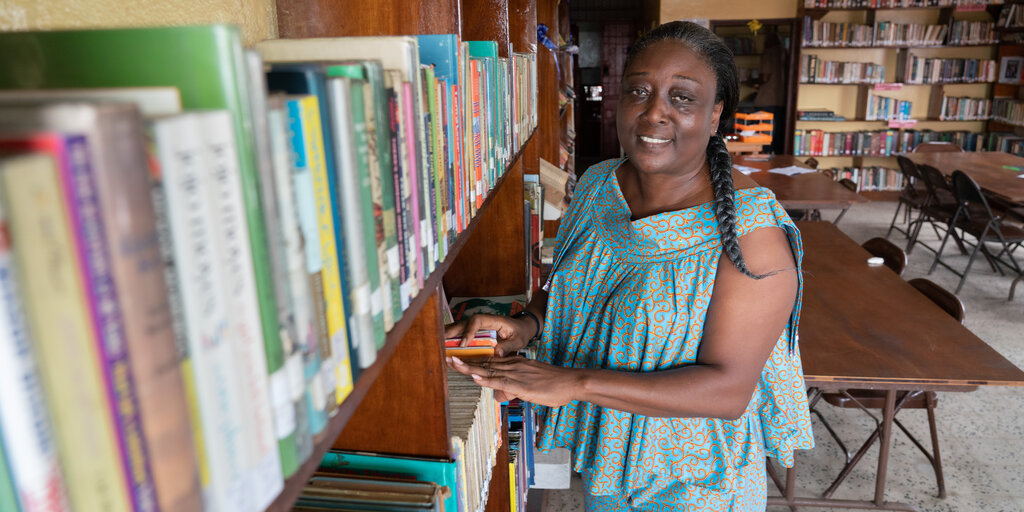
[
  {"x": 257, "y": 18},
  {"x": 728, "y": 9}
]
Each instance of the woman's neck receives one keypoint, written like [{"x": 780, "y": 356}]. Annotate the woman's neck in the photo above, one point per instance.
[{"x": 651, "y": 194}]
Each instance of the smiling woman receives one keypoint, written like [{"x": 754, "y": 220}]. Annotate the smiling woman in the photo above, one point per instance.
[{"x": 668, "y": 370}]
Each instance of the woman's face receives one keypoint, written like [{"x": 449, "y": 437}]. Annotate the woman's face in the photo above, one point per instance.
[{"x": 667, "y": 111}]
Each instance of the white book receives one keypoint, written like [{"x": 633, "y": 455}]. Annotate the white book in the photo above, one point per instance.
[
  {"x": 27, "y": 434},
  {"x": 222, "y": 184},
  {"x": 365, "y": 302},
  {"x": 151, "y": 101},
  {"x": 181, "y": 151}
]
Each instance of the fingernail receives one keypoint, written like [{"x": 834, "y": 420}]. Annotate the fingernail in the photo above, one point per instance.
[
  {"x": 448, "y": 359},
  {"x": 477, "y": 377},
  {"x": 457, "y": 360}
]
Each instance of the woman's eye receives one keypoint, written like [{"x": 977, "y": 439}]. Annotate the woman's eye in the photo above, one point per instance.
[
  {"x": 638, "y": 92},
  {"x": 680, "y": 98}
]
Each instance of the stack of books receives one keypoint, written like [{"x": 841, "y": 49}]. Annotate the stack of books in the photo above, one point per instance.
[{"x": 818, "y": 115}]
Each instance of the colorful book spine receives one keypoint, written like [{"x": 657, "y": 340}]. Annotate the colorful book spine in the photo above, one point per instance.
[
  {"x": 479, "y": 145},
  {"x": 403, "y": 201},
  {"x": 238, "y": 289},
  {"x": 181, "y": 155},
  {"x": 100, "y": 296},
  {"x": 47, "y": 256},
  {"x": 378, "y": 130},
  {"x": 26, "y": 434},
  {"x": 360, "y": 255},
  {"x": 413, "y": 175},
  {"x": 370, "y": 229},
  {"x": 307, "y": 147}
]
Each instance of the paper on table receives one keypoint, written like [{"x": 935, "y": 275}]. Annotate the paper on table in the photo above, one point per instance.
[
  {"x": 744, "y": 169},
  {"x": 792, "y": 170}
]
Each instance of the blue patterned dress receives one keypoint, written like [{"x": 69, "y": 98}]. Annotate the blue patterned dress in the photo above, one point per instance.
[{"x": 633, "y": 296}]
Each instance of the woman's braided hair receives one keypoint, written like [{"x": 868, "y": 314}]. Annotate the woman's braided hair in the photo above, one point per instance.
[{"x": 720, "y": 59}]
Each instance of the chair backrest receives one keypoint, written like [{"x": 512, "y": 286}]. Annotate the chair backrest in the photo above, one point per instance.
[
  {"x": 937, "y": 147},
  {"x": 970, "y": 198},
  {"x": 941, "y": 297},
  {"x": 935, "y": 183},
  {"x": 849, "y": 184},
  {"x": 894, "y": 257},
  {"x": 811, "y": 162},
  {"x": 908, "y": 168}
]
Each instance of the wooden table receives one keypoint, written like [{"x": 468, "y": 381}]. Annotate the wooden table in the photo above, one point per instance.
[
  {"x": 809, "y": 191},
  {"x": 986, "y": 167},
  {"x": 864, "y": 327}
]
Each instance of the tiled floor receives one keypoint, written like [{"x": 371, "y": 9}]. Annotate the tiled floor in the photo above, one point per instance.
[{"x": 981, "y": 433}]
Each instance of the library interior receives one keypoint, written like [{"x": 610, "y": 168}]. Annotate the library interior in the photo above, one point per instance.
[{"x": 385, "y": 170}]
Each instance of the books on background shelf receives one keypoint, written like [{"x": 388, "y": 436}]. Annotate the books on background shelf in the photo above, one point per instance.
[
  {"x": 893, "y": 4},
  {"x": 883, "y": 108},
  {"x": 872, "y": 178},
  {"x": 822, "y": 34},
  {"x": 1008, "y": 110},
  {"x": 226, "y": 270},
  {"x": 1007, "y": 142},
  {"x": 955, "y": 108},
  {"x": 922, "y": 70},
  {"x": 878, "y": 142},
  {"x": 814, "y": 70},
  {"x": 1010, "y": 16}
]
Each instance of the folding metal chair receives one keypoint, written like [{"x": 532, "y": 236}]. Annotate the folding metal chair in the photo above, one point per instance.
[{"x": 974, "y": 216}]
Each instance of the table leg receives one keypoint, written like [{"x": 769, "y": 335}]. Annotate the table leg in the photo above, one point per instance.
[{"x": 883, "y": 449}]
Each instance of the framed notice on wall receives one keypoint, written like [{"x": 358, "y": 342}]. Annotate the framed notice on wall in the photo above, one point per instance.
[{"x": 1010, "y": 69}]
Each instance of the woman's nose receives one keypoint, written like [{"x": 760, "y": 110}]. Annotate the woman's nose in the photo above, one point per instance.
[{"x": 656, "y": 110}]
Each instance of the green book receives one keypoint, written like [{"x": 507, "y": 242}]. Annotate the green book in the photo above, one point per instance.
[
  {"x": 436, "y": 143},
  {"x": 379, "y": 137},
  {"x": 207, "y": 65}
]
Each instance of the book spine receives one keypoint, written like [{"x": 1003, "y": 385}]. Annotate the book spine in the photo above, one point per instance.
[
  {"x": 281, "y": 405},
  {"x": 46, "y": 256},
  {"x": 238, "y": 288},
  {"x": 383, "y": 181},
  {"x": 461, "y": 216},
  {"x": 382, "y": 228},
  {"x": 402, "y": 200},
  {"x": 372, "y": 223},
  {"x": 100, "y": 296},
  {"x": 183, "y": 163},
  {"x": 26, "y": 434},
  {"x": 414, "y": 171},
  {"x": 316, "y": 355},
  {"x": 297, "y": 279},
  {"x": 176, "y": 309},
  {"x": 338, "y": 356},
  {"x": 478, "y": 134},
  {"x": 360, "y": 320}
]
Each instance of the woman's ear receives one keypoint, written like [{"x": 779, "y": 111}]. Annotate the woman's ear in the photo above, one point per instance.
[{"x": 716, "y": 117}]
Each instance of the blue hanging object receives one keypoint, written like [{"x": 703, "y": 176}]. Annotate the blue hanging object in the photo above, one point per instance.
[{"x": 544, "y": 40}]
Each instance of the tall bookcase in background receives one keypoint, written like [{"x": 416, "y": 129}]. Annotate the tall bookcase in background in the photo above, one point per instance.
[
  {"x": 399, "y": 405},
  {"x": 1007, "y": 123},
  {"x": 830, "y": 106}
]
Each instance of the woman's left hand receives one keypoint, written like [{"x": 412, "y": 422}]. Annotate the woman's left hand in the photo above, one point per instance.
[{"x": 530, "y": 380}]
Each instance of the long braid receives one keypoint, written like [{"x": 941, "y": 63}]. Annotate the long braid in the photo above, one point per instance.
[{"x": 720, "y": 170}]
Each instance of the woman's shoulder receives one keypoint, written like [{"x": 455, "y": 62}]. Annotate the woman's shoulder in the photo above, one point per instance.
[
  {"x": 757, "y": 207},
  {"x": 597, "y": 171}
]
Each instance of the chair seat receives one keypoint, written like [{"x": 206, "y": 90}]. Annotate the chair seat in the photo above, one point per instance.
[{"x": 1011, "y": 233}]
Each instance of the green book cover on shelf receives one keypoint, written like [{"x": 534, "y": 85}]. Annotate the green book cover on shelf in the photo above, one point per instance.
[
  {"x": 207, "y": 65},
  {"x": 441, "y": 472}
]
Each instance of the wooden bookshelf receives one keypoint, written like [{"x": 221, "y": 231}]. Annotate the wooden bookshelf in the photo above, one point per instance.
[{"x": 399, "y": 405}]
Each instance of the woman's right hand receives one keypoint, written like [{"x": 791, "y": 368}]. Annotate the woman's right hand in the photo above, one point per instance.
[{"x": 513, "y": 333}]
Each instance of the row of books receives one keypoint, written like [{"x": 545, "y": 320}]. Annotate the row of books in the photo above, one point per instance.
[
  {"x": 1008, "y": 110},
  {"x": 823, "y": 34},
  {"x": 1007, "y": 142},
  {"x": 812, "y": 142},
  {"x": 475, "y": 425},
  {"x": 1010, "y": 16},
  {"x": 200, "y": 304},
  {"x": 884, "y": 108},
  {"x": 925, "y": 70},
  {"x": 892, "y": 4},
  {"x": 870, "y": 178},
  {"x": 815, "y": 70},
  {"x": 521, "y": 432},
  {"x": 957, "y": 108},
  {"x": 740, "y": 45}
]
